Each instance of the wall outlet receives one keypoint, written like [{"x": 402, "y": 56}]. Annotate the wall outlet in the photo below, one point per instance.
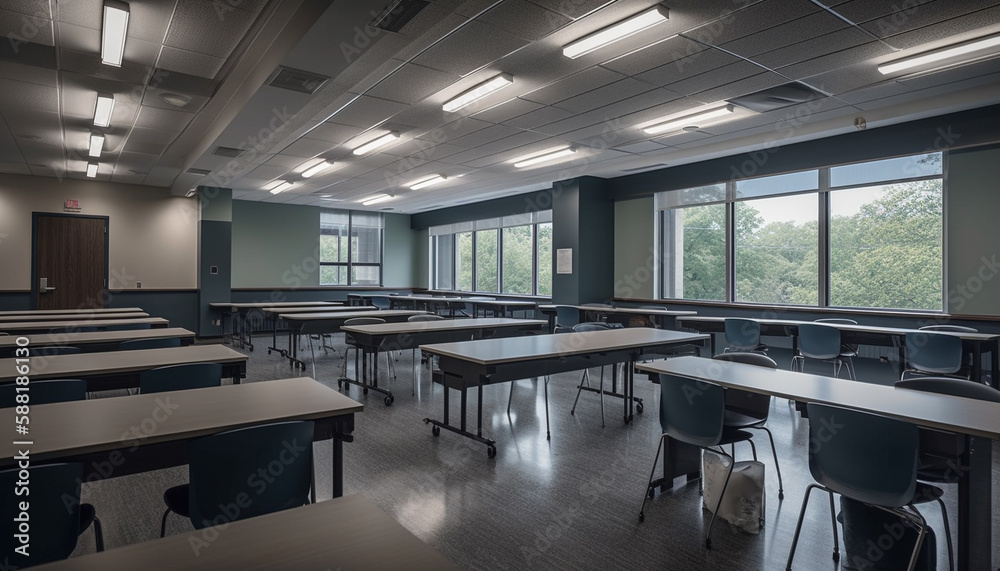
[
  {"x": 138, "y": 285},
  {"x": 216, "y": 322},
  {"x": 883, "y": 359}
]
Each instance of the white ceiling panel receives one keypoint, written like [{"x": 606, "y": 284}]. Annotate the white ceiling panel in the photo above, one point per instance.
[
  {"x": 689, "y": 66},
  {"x": 587, "y": 80},
  {"x": 813, "y": 48},
  {"x": 191, "y": 63},
  {"x": 163, "y": 119},
  {"x": 655, "y": 55},
  {"x": 19, "y": 94},
  {"x": 307, "y": 148},
  {"x": 28, "y": 73},
  {"x": 366, "y": 112},
  {"x": 604, "y": 96},
  {"x": 507, "y": 110},
  {"x": 18, "y": 27},
  {"x": 412, "y": 83},
  {"x": 574, "y": 9},
  {"x": 78, "y": 38},
  {"x": 788, "y": 33},
  {"x": 212, "y": 17},
  {"x": 449, "y": 132},
  {"x": 541, "y": 116},
  {"x": 35, "y": 8},
  {"x": 524, "y": 19},
  {"x": 750, "y": 20},
  {"x": 471, "y": 47}
]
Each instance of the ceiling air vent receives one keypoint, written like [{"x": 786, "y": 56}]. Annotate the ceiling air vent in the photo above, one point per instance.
[
  {"x": 227, "y": 152},
  {"x": 200, "y": 172},
  {"x": 778, "y": 97},
  {"x": 297, "y": 80},
  {"x": 398, "y": 14}
]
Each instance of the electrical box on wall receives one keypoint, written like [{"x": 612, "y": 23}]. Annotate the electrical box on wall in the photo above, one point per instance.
[{"x": 213, "y": 270}]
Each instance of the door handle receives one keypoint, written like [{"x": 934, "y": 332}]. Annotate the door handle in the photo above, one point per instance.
[{"x": 43, "y": 285}]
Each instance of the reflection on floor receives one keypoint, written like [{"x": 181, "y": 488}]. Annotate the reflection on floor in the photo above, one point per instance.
[{"x": 568, "y": 503}]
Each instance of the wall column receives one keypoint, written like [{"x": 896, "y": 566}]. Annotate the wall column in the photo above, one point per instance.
[
  {"x": 583, "y": 220},
  {"x": 215, "y": 252}
]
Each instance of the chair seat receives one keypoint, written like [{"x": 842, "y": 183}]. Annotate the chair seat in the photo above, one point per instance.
[
  {"x": 735, "y": 419},
  {"x": 925, "y": 493},
  {"x": 87, "y": 516},
  {"x": 176, "y": 499},
  {"x": 732, "y": 435}
]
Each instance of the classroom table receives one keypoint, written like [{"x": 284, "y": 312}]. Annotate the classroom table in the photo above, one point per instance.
[
  {"x": 74, "y": 315},
  {"x": 343, "y": 533},
  {"x": 120, "y": 369},
  {"x": 429, "y": 303},
  {"x": 408, "y": 335},
  {"x": 28, "y": 326},
  {"x": 272, "y": 315},
  {"x": 476, "y": 363},
  {"x": 980, "y": 420},
  {"x": 95, "y": 341},
  {"x": 330, "y": 322},
  {"x": 77, "y": 311},
  {"x": 859, "y": 334},
  {"x": 151, "y": 431},
  {"x": 663, "y": 318},
  {"x": 501, "y": 307},
  {"x": 237, "y": 313}
]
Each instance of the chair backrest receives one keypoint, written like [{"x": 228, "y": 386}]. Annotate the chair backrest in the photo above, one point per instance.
[
  {"x": 691, "y": 411},
  {"x": 863, "y": 456},
  {"x": 562, "y": 329},
  {"x": 955, "y": 328},
  {"x": 45, "y": 392},
  {"x": 594, "y": 304},
  {"x": 427, "y": 317},
  {"x": 364, "y": 321},
  {"x": 819, "y": 341},
  {"x": 933, "y": 352},
  {"x": 157, "y": 343},
  {"x": 836, "y": 320},
  {"x": 268, "y": 466},
  {"x": 945, "y": 386},
  {"x": 752, "y": 404},
  {"x": 742, "y": 334},
  {"x": 54, "y": 513},
  {"x": 381, "y": 302},
  {"x": 180, "y": 377},
  {"x": 591, "y": 326},
  {"x": 567, "y": 316}
]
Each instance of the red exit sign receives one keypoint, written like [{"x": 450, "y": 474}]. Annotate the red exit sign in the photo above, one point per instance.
[{"x": 72, "y": 205}]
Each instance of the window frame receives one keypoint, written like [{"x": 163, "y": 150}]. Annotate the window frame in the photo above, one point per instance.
[{"x": 350, "y": 264}]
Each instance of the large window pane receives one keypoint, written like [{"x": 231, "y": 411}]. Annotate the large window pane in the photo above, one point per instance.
[
  {"x": 886, "y": 246},
  {"x": 544, "y": 285},
  {"x": 486, "y": 261},
  {"x": 463, "y": 266},
  {"x": 694, "y": 247},
  {"x": 517, "y": 257},
  {"x": 777, "y": 250},
  {"x": 778, "y": 184},
  {"x": 366, "y": 275},
  {"x": 366, "y": 236},
  {"x": 444, "y": 253},
  {"x": 916, "y": 166},
  {"x": 333, "y": 275}
]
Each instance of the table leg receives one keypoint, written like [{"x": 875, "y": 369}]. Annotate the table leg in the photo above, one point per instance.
[
  {"x": 975, "y": 507},
  {"x": 437, "y": 425},
  {"x": 679, "y": 459}
]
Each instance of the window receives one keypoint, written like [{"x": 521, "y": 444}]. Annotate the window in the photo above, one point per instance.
[
  {"x": 861, "y": 235},
  {"x": 512, "y": 255},
  {"x": 350, "y": 246}
]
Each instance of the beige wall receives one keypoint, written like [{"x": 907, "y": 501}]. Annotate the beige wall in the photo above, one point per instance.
[{"x": 153, "y": 235}]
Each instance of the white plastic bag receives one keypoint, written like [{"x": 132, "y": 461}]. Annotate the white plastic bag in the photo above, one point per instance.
[{"x": 743, "y": 503}]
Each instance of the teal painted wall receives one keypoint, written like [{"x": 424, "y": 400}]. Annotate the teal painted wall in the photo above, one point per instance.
[
  {"x": 635, "y": 233},
  {"x": 399, "y": 253},
  {"x": 972, "y": 244},
  {"x": 275, "y": 245}
]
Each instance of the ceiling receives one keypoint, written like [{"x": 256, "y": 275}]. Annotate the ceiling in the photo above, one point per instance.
[{"x": 218, "y": 57}]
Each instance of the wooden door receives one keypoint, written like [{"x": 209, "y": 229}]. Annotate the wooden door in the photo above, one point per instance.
[{"x": 71, "y": 253}]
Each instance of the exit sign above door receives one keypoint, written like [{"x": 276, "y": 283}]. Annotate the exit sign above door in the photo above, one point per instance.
[{"x": 71, "y": 205}]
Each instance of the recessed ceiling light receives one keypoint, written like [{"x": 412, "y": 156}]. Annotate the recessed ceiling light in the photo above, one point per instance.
[
  {"x": 96, "y": 144},
  {"x": 376, "y": 199},
  {"x": 941, "y": 54},
  {"x": 376, "y": 143},
  {"x": 693, "y": 120},
  {"x": 618, "y": 31},
  {"x": 478, "y": 92},
  {"x": 102, "y": 112},
  {"x": 316, "y": 168},
  {"x": 91, "y": 170},
  {"x": 436, "y": 179},
  {"x": 285, "y": 185},
  {"x": 113, "y": 32},
  {"x": 538, "y": 158}
]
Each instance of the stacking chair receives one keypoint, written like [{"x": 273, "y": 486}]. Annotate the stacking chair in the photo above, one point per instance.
[
  {"x": 868, "y": 458},
  {"x": 746, "y": 410},
  {"x": 57, "y": 516},
  {"x": 46, "y": 392},
  {"x": 930, "y": 354},
  {"x": 583, "y": 328},
  {"x": 847, "y": 350},
  {"x": 412, "y": 318},
  {"x": 350, "y": 345},
  {"x": 743, "y": 335},
  {"x": 381, "y": 302},
  {"x": 567, "y": 316},
  {"x": 969, "y": 356},
  {"x": 822, "y": 342},
  {"x": 693, "y": 411},
  {"x": 218, "y": 469},
  {"x": 180, "y": 377},
  {"x": 158, "y": 343}
]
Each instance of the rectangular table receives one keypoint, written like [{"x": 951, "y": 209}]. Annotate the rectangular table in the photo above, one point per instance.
[
  {"x": 120, "y": 369},
  {"x": 237, "y": 313},
  {"x": 664, "y": 318},
  {"x": 979, "y": 420},
  {"x": 344, "y": 533},
  {"x": 73, "y": 315},
  {"x": 78, "y": 310},
  {"x": 469, "y": 364},
  {"x": 95, "y": 341},
  {"x": 28, "y": 326},
  {"x": 408, "y": 335},
  {"x": 330, "y": 322},
  {"x": 116, "y": 437},
  {"x": 272, "y": 316}
]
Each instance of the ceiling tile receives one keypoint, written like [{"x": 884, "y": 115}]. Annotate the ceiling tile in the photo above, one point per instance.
[
  {"x": 541, "y": 116},
  {"x": 78, "y": 38},
  {"x": 451, "y": 131},
  {"x": 604, "y": 96},
  {"x": 750, "y": 20},
  {"x": 191, "y": 63},
  {"x": 469, "y": 48},
  {"x": 507, "y": 110},
  {"x": 86, "y": 13},
  {"x": 567, "y": 87},
  {"x": 21, "y": 28},
  {"x": 655, "y": 55},
  {"x": 524, "y": 19},
  {"x": 789, "y": 33},
  {"x": 20, "y": 95},
  {"x": 412, "y": 83},
  {"x": 959, "y": 29},
  {"x": 886, "y": 21},
  {"x": 307, "y": 148},
  {"x": 163, "y": 119},
  {"x": 201, "y": 27},
  {"x": 573, "y": 9},
  {"x": 28, "y": 73},
  {"x": 688, "y": 66},
  {"x": 708, "y": 80},
  {"x": 35, "y": 8},
  {"x": 484, "y": 136},
  {"x": 819, "y": 46},
  {"x": 367, "y": 112},
  {"x": 14, "y": 167},
  {"x": 333, "y": 133}
]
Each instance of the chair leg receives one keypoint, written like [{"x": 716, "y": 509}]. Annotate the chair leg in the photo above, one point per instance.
[
  {"x": 649, "y": 483},
  {"x": 918, "y": 519},
  {"x": 98, "y": 534},
  {"x": 774, "y": 451},
  {"x": 584, "y": 379},
  {"x": 163, "y": 523},
  {"x": 548, "y": 433},
  {"x": 718, "y": 503},
  {"x": 851, "y": 374},
  {"x": 511, "y": 397},
  {"x": 798, "y": 525},
  {"x": 833, "y": 521},
  {"x": 947, "y": 535},
  {"x": 312, "y": 352}
]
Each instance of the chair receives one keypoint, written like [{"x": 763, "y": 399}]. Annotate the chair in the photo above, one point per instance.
[
  {"x": 822, "y": 342},
  {"x": 545, "y": 388},
  {"x": 692, "y": 411},
  {"x": 350, "y": 345},
  {"x": 930, "y": 354},
  {"x": 969, "y": 356},
  {"x": 743, "y": 335},
  {"x": 583, "y": 328},
  {"x": 381, "y": 302},
  {"x": 746, "y": 410},
  {"x": 417, "y": 318},
  {"x": 45, "y": 392},
  {"x": 157, "y": 343},
  {"x": 57, "y": 516},
  {"x": 566, "y": 316},
  {"x": 219, "y": 490},
  {"x": 849, "y": 350},
  {"x": 867, "y": 458},
  {"x": 180, "y": 377}
]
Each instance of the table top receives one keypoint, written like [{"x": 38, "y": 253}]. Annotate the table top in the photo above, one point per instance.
[
  {"x": 118, "y": 362},
  {"x": 30, "y": 325},
  {"x": 73, "y": 315},
  {"x": 81, "y": 427},
  {"x": 90, "y": 337},
  {"x": 266, "y": 304},
  {"x": 550, "y": 307},
  {"x": 944, "y": 412},
  {"x": 341, "y": 315},
  {"x": 861, "y": 328},
  {"x": 441, "y": 325},
  {"x": 317, "y": 309},
  {"x": 342, "y": 533},
  {"x": 426, "y": 298},
  {"x": 513, "y": 349},
  {"x": 79, "y": 310},
  {"x": 503, "y": 302}
]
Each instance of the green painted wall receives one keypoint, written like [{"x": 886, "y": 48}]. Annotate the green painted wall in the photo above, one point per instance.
[
  {"x": 972, "y": 243},
  {"x": 635, "y": 232},
  {"x": 421, "y": 271},
  {"x": 275, "y": 245},
  {"x": 399, "y": 253}
]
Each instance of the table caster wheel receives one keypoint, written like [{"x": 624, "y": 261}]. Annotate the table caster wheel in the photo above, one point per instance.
[
  {"x": 436, "y": 431},
  {"x": 268, "y": 351},
  {"x": 388, "y": 400},
  {"x": 642, "y": 516},
  {"x": 491, "y": 451}
]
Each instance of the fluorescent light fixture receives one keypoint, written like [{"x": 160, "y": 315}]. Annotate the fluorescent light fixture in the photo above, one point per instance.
[
  {"x": 91, "y": 170},
  {"x": 316, "y": 169},
  {"x": 478, "y": 92},
  {"x": 689, "y": 121},
  {"x": 102, "y": 112},
  {"x": 113, "y": 32},
  {"x": 273, "y": 184},
  {"x": 191, "y": 192},
  {"x": 618, "y": 31},
  {"x": 939, "y": 55},
  {"x": 285, "y": 185},
  {"x": 530, "y": 160},
  {"x": 376, "y": 143},
  {"x": 428, "y": 182},
  {"x": 376, "y": 199},
  {"x": 96, "y": 144}
]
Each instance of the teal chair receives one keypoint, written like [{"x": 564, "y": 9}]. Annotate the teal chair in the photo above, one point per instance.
[
  {"x": 822, "y": 342},
  {"x": 930, "y": 354},
  {"x": 57, "y": 517},
  {"x": 180, "y": 377},
  {"x": 583, "y": 328},
  {"x": 743, "y": 336},
  {"x": 46, "y": 392},
  {"x": 157, "y": 343},
  {"x": 224, "y": 467}
]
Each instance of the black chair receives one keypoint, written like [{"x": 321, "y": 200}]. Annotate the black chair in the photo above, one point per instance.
[
  {"x": 157, "y": 343},
  {"x": 868, "y": 458},
  {"x": 747, "y": 410},
  {"x": 180, "y": 377},
  {"x": 57, "y": 518},
  {"x": 743, "y": 336},
  {"x": 45, "y": 392},
  {"x": 225, "y": 480},
  {"x": 847, "y": 350},
  {"x": 585, "y": 380},
  {"x": 693, "y": 411}
]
